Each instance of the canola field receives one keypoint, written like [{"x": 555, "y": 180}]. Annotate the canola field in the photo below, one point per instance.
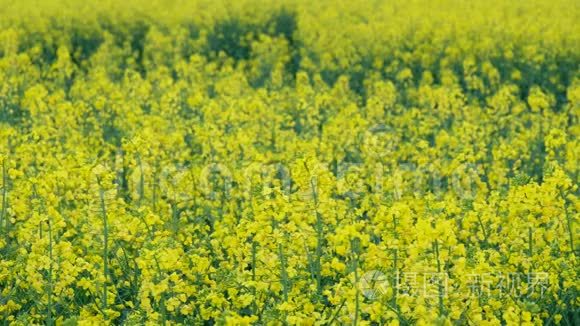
[{"x": 291, "y": 162}]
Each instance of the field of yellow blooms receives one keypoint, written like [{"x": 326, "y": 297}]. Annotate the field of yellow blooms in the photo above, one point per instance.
[{"x": 294, "y": 162}]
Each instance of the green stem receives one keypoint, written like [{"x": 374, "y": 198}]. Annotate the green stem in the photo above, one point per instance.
[
  {"x": 531, "y": 249},
  {"x": 319, "y": 239},
  {"x": 331, "y": 321},
  {"x": 440, "y": 287},
  {"x": 254, "y": 251},
  {"x": 355, "y": 246},
  {"x": 569, "y": 222},
  {"x": 283, "y": 272},
  {"x": 395, "y": 284},
  {"x": 50, "y": 272},
  {"x": 141, "y": 180},
  {"x": 105, "y": 246},
  {"x": 396, "y": 265},
  {"x": 155, "y": 190},
  {"x": 162, "y": 298},
  {"x": 357, "y": 301},
  {"x": 482, "y": 229},
  {"x": 570, "y": 232},
  {"x": 254, "y": 261},
  {"x": 4, "y": 197}
]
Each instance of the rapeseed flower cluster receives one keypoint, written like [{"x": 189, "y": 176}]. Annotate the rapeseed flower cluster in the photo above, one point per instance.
[{"x": 289, "y": 163}]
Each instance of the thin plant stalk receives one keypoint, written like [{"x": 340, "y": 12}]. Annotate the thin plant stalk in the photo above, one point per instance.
[
  {"x": 4, "y": 197},
  {"x": 283, "y": 272},
  {"x": 105, "y": 246},
  {"x": 440, "y": 287},
  {"x": 355, "y": 248},
  {"x": 319, "y": 238},
  {"x": 50, "y": 273}
]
